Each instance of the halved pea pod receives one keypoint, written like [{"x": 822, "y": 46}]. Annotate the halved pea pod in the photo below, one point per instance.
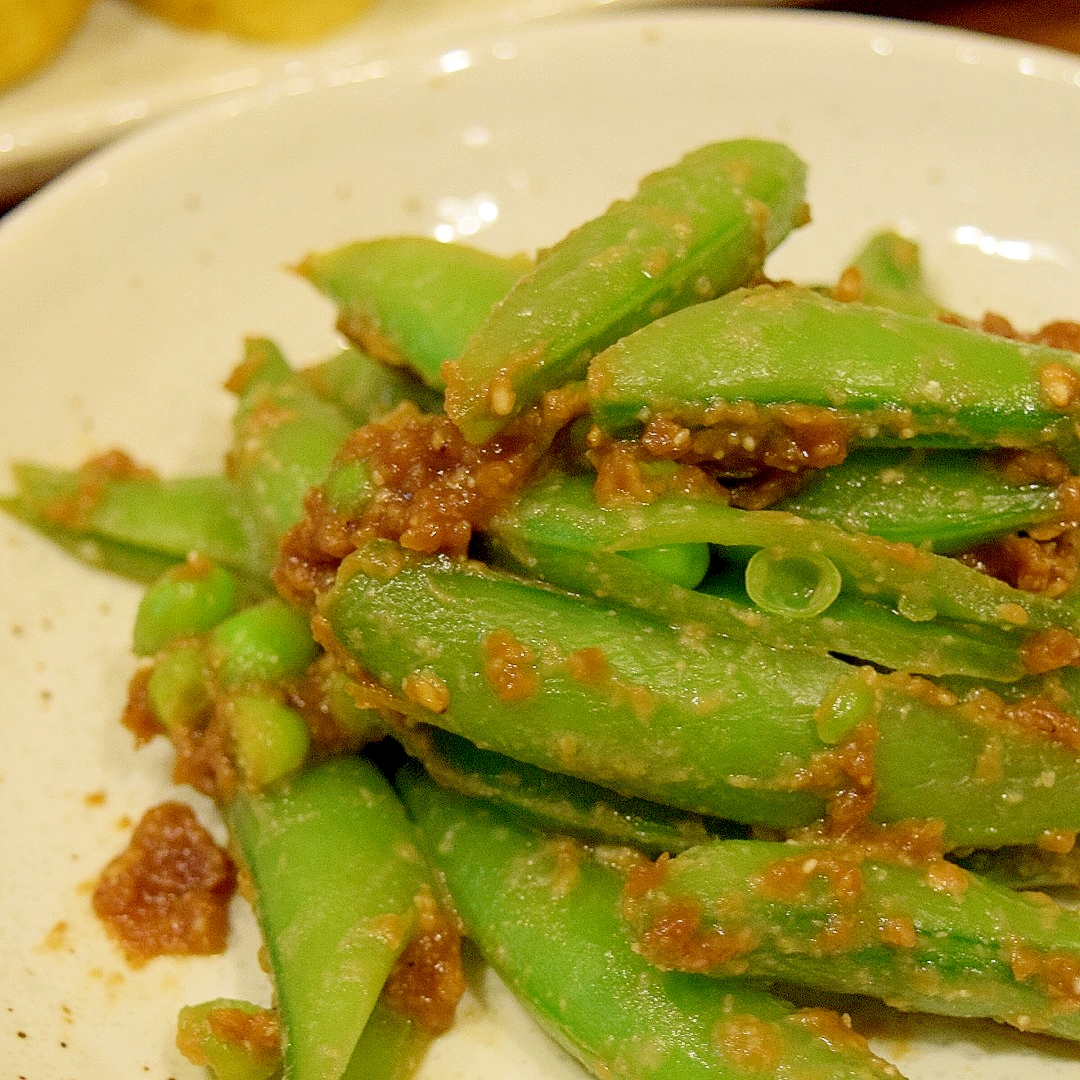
[{"x": 714, "y": 725}]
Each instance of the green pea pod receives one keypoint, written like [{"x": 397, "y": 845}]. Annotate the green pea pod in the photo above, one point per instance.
[
  {"x": 285, "y": 437},
  {"x": 714, "y": 725},
  {"x": 929, "y": 938},
  {"x": 875, "y": 376},
  {"x": 365, "y": 389},
  {"x": 391, "y": 1047},
  {"x": 852, "y": 626},
  {"x": 208, "y": 1034},
  {"x": 131, "y": 521},
  {"x": 336, "y": 874},
  {"x": 890, "y": 275},
  {"x": 945, "y": 500},
  {"x": 692, "y": 231},
  {"x": 561, "y": 510},
  {"x": 411, "y": 300},
  {"x": 579, "y": 687},
  {"x": 544, "y": 913},
  {"x": 555, "y": 801},
  {"x": 123, "y": 560}
]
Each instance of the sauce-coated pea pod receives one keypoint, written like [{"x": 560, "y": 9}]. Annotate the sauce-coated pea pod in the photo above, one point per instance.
[
  {"x": 554, "y": 801},
  {"x": 366, "y": 389},
  {"x": 947, "y": 500},
  {"x": 888, "y": 269},
  {"x": 851, "y": 626},
  {"x": 412, "y": 300},
  {"x": 715, "y": 725},
  {"x": 124, "y": 513},
  {"x": 544, "y": 912},
  {"x": 561, "y": 510},
  {"x": 872, "y": 376},
  {"x": 338, "y": 880},
  {"x": 691, "y": 231},
  {"x": 284, "y": 438},
  {"x": 926, "y": 936}
]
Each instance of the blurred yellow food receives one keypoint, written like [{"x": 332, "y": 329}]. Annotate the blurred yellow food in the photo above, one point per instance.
[
  {"x": 261, "y": 20},
  {"x": 32, "y": 31}
]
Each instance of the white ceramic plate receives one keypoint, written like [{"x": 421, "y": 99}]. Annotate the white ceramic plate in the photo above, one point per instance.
[
  {"x": 125, "y": 68},
  {"x": 127, "y": 285}
]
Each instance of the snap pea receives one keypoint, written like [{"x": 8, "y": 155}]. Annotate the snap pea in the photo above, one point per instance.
[
  {"x": 130, "y": 522},
  {"x": 109, "y": 556},
  {"x": 544, "y": 912},
  {"x": 391, "y": 1047},
  {"x": 284, "y": 438},
  {"x": 718, "y": 726},
  {"x": 554, "y": 801},
  {"x": 217, "y": 1035},
  {"x": 889, "y": 274},
  {"x": 946, "y": 500},
  {"x": 365, "y": 389},
  {"x": 852, "y": 627},
  {"x": 691, "y": 231},
  {"x": 928, "y": 937},
  {"x": 880, "y": 377},
  {"x": 578, "y": 687},
  {"x": 337, "y": 877},
  {"x": 562, "y": 510},
  {"x": 412, "y": 300}
]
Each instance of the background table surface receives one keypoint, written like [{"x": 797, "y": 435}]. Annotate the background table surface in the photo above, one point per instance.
[{"x": 1046, "y": 22}]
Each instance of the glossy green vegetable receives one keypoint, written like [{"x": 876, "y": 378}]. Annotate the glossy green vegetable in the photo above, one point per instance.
[
  {"x": 561, "y": 510},
  {"x": 269, "y": 642},
  {"x": 890, "y": 275},
  {"x": 690, "y": 232},
  {"x": 366, "y": 389},
  {"x": 284, "y": 438},
  {"x": 186, "y": 601},
  {"x": 337, "y": 876},
  {"x": 852, "y": 626},
  {"x": 206, "y": 1035},
  {"x": 411, "y": 300},
  {"x": 138, "y": 526},
  {"x": 270, "y": 740},
  {"x": 927, "y": 937},
  {"x": 544, "y": 912},
  {"x": 882, "y": 376},
  {"x": 554, "y": 801},
  {"x": 946, "y": 500},
  {"x": 713, "y": 725}
]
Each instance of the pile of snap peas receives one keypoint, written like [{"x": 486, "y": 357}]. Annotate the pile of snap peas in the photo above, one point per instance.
[{"x": 627, "y": 613}]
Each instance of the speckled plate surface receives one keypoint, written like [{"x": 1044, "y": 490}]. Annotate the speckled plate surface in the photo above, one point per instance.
[{"x": 127, "y": 285}]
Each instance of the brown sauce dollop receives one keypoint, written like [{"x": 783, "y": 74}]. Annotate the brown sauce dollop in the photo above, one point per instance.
[{"x": 168, "y": 892}]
